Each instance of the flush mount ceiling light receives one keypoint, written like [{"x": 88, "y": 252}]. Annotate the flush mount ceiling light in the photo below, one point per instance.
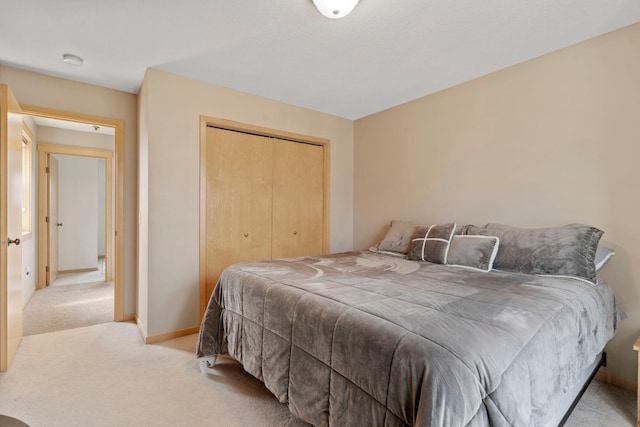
[
  {"x": 72, "y": 59},
  {"x": 335, "y": 8}
]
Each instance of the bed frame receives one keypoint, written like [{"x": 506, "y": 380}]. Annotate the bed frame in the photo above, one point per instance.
[{"x": 592, "y": 370}]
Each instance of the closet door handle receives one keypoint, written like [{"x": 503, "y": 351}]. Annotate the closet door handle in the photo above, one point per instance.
[
  {"x": 13, "y": 242},
  {"x": 295, "y": 233},
  {"x": 246, "y": 234}
]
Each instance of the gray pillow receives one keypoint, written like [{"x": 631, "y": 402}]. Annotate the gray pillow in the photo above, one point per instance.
[
  {"x": 475, "y": 252},
  {"x": 397, "y": 239},
  {"x": 558, "y": 251},
  {"x": 462, "y": 230},
  {"x": 432, "y": 243},
  {"x": 603, "y": 255}
]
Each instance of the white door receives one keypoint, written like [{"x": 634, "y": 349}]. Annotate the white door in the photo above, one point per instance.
[{"x": 10, "y": 226}]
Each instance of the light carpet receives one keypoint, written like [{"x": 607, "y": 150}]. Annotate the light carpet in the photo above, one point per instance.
[
  {"x": 104, "y": 375},
  {"x": 604, "y": 405},
  {"x": 68, "y": 306}
]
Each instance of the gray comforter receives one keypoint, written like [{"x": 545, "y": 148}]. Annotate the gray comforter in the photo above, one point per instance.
[{"x": 360, "y": 339}]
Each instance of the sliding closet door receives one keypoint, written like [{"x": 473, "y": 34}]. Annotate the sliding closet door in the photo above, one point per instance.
[
  {"x": 238, "y": 197},
  {"x": 298, "y": 199}
]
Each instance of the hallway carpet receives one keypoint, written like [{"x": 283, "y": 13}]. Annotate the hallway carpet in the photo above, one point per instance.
[{"x": 68, "y": 306}]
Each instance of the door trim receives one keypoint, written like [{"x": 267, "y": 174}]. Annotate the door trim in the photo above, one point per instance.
[
  {"x": 262, "y": 131},
  {"x": 118, "y": 164}
]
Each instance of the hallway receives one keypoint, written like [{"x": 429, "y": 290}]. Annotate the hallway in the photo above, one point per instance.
[{"x": 72, "y": 301}]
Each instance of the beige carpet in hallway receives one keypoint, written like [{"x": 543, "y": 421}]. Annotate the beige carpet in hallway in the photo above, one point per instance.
[
  {"x": 104, "y": 375},
  {"x": 67, "y": 306}
]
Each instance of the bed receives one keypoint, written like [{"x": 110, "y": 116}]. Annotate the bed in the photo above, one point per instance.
[{"x": 365, "y": 338}]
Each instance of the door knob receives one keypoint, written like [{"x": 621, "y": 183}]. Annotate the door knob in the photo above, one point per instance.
[
  {"x": 14, "y": 242},
  {"x": 59, "y": 224},
  {"x": 295, "y": 233}
]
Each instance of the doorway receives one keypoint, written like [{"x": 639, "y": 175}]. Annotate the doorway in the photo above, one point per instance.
[
  {"x": 80, "y": 171},
  {"x": 114, "y": 184},
  {"x": 75, "y": 227},
  {"x": 12, "y": 213}
]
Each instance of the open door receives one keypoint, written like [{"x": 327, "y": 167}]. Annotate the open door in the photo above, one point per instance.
[
  {"x": 52, "y": 215},
  {"x": 10, "y": 226}
]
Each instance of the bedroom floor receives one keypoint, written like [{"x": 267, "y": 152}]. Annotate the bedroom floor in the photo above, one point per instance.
[
  {"x": 604, "y": 405},
  {"x": 103, "y": 375}
]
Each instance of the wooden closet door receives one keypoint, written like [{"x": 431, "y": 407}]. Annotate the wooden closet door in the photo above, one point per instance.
[
  {"x": 298, "y": 199},
  {"x": 238, "y": 194}
]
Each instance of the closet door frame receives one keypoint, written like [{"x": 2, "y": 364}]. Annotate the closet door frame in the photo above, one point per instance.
[{"x": 206, "y": 121}]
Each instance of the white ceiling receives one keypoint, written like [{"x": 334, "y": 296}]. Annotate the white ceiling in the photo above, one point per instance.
[
  {"x": 80, "y": 127},
  {"x": 385, "y": 53}
]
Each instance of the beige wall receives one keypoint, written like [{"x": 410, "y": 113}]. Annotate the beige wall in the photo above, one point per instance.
[
  {"x": 547, "y": 142},
  {"x": 172, "y": 106},
  {"x": 60, "y": 94},
  {"x": 29, "y": 253}
]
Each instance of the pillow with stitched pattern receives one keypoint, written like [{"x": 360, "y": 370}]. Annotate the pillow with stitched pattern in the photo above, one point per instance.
[{"x": 432, "y": 243}]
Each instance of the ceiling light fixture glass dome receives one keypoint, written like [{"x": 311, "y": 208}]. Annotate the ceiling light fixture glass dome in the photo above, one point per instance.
[{"x": 335, "y": 8}]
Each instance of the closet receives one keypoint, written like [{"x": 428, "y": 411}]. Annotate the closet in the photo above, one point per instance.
[{"x": 265, "y": 198}]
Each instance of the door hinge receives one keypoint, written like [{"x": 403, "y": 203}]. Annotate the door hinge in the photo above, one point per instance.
[
  {"x": 46, "y": 269},
  {"x": 46, "y": 219},
  {"x": 46, "y": 169}
]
